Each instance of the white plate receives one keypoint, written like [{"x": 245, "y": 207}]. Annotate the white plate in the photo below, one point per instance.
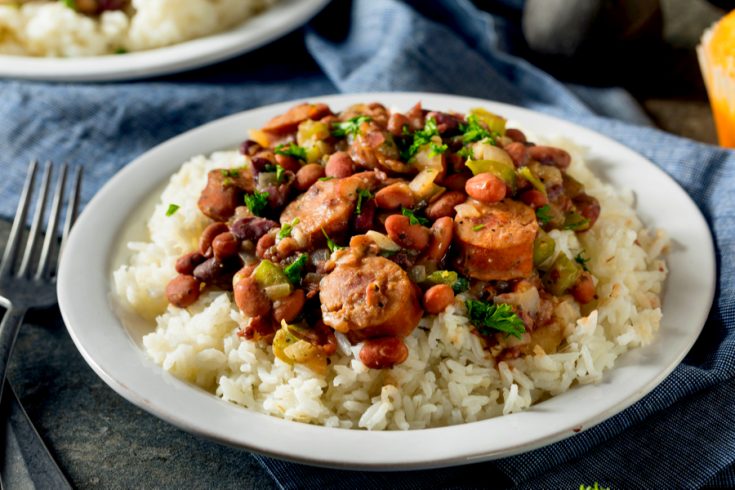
[
  {"x": 283, "y": 17},
  {"x": 114, "y": 351}
]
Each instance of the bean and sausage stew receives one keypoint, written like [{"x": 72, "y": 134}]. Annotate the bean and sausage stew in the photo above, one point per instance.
[{"x": 360, "y": 222}]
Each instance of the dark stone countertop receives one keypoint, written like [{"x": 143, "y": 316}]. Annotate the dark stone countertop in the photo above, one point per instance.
[{"x": 101, "y": 440}]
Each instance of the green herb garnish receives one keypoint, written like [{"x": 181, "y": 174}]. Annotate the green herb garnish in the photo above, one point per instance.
[
  {"x": 287, "y": 228},
  {"x": 544, "y": 214},
  {"x": 295, "y": 270},
  {"x": 466, "y": 152},
  {"x": 120, "y": 50},
  {"x": 597, "y": 486},
  {"x": 351, "y": 126},
  {"x": 257, "y": 202},
  {"x": 362, "y": 194},
  {"x": 172, "y": 208},
  {"x": 292, "y": 150},
  {"x": 230, "y": 172},
  {"x": 486, "y": 316},
  {"x": 330, "y": 243},
  {"x": 575, "y": 221},
  {"x": 473, "y": 131},
  {"x": 412, "y": 218},
  {"x": 72, "y": 4},
  {"x": 423, "y": 137},
  {"x": 461, "y": 285},
  {"x": 279, "y": 173},
  {"x": 581, "y": 260},
  {"x": 325, "y": 179},
  {"x": 478, "y": 227}
]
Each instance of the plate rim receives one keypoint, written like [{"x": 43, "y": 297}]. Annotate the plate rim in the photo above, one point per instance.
[
  {"x": 389, "y": 437},
  {"x": 254, "y": 32}
]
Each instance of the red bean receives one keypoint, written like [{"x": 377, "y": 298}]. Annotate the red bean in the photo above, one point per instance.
[
  {"x": 455, "y": 182},
  {"x": 396, "y": 122},
  {"x": 518, "y": 153},
  {"x": 584, "y": 289},
  {"x": 188, "y": 262},
  {"x": 437, "y": 298},
  {"x": 208, "y": 235},
  {"x": 288, "y": 163},
  {"x": 534, "y": 198},
  {"x": 308, "y": 175},
  {"x": 339, "y": 165},
  {"x": 384, "y": 352},
  {"x": 395, "y": 196},
  {"x": 515, "y": 135},
  {"x": 401, "y": 231},
  {"x": 251, "y": 300},
  {"x": 441, "y": 238},
  {"x": 548, "y": 155},
  {"x": 289, "y": 307},
  {"x": 444, "y": 205},
  {"x": 252, "y": 228},
  {"x": 587, "y": 206},
  {"x": 486, "y": 187},
  {"x": 250, "y": 147},
  {"x": 265, "y": 242},
  {"x": 225, "y": 245},
  {"x": 364, "y": 221},
  {"x": 183, "y": 290}
]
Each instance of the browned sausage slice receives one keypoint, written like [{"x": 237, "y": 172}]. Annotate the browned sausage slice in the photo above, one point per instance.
[
  {"x": 288, "y": 122},
  {"x": 224, "y": 193},
  {"x": 372, "y": 296},
  {"x": 327, "y": 204},
  {"x": 498, "y": 244}
]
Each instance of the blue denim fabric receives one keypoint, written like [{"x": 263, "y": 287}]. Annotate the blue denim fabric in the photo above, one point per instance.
[{"x": 682, "y": 435}]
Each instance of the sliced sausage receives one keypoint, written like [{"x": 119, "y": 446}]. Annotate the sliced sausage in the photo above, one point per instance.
[
  {"x": 289, "y": 121},
  {"x": 224, "y": 192},
  {"x": 327, "y": 205},
  {"x": 373, "y": 297},
  {"x": 498, "y": 244}
]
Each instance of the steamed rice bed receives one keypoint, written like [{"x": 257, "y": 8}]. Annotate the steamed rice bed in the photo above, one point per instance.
[{"x": 448, "y": 377}]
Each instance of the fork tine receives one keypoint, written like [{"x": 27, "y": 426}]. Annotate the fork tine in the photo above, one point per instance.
[
  {"x": 36, "y": 224},
  {"x": 50, "y": 238},
  {"x": 16, "y": 230},
  {"x": 71, "y": 207}
]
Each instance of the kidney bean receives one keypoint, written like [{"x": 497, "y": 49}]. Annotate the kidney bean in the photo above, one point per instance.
[
  {"x": 441, "y": 238},
  {"x": 486, "y": 187},
  {"x": 587, "y": 206},
  {"x": 250, "y": 148},
  {"x": 395, "y": 196},
  {"x": 265, "y": 242},
  {"x": 339, "y": 165},
  {"x": 252, "y": 228},
  {"x": 516, "y": 135},
  {"x": 401, "y": 231},
  {"x": 364, "y": 220},
  {"x": 260, "y": 163},
  {"x": 584, "y": 289},
  {"x": 308, "y": 175},
  {"x": 518, "y": 153},
  {"x": 444, "y": 205},
  {"x": 208, "y": 235},
  {"x": 288, "y": 163},
  {"x": 289, "y": 307},
  {"x": 455, "y": 162},
  {"x": 548, "y": 155},
  {"x": 251, "y": 300},
  {"x": 183, "y": 290},
  {"x": 259, "y": 327},
  {"x": 286, "y": 246},
  {"x": 225, "y": 245},
  {"x": 534, "y": 198},
  {"x": 396, "y": 122},
  {"x": 384, "y": 352},
  {"x": 455, "y": 182},
  {"x": 218, "y": 273},
  {"x": 437, "y": 298},
  {"x": 187, "y": 262},
  {"x": 445, "y": 123}
]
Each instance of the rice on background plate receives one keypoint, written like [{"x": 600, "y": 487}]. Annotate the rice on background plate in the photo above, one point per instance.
[
  {"x": 49, "y": 28},
  {"x": 448, "y": 377}
]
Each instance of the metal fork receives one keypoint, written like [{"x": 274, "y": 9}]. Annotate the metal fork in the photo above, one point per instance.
[{"x": 22, "y": 286}]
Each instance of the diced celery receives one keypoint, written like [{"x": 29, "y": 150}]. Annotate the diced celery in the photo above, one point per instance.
[
  {"x": 543, "y": 248},
  {"x": 494, "y": 123},
  {"x": 442, "y": 277},
  {"x": 503, "y": 171},
  {"x": 526, "y": 173},
  {"x": 562, "y": 275},
  {"x": 272, "y": 280}
]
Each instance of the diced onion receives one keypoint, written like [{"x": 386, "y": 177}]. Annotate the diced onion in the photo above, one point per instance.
[
  {"x": 423, "y": 185},
  {"x": 277, "y": 291},
  {"x": 383, "y": 241},
  {"x": 486, "y": 151},
  {"x": 467, "y": 210},
  {"x": 417, "y": 273}
]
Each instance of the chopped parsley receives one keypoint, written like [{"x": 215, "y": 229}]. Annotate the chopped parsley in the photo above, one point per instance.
[
  {"x": 473, "y": 131},
  {"x": 466, "y": 152},
  {"x": 287, "y": 228},
  {"x": 575, "y": 221},
  {"x": 295, "y": 270},
  {"x": 461, "y": 285},
  {"x": 257, "y": 202},
  {"x": 172, "y": 208},
  {"x": 486, "y": 316},
  {"x": 544, "y": 214},
  {"x": 478, "y": 227},
  {"x": 412, "y": 218},
  {"x": 120, "y": 50},
  {"x": 330, "y": 243},
  {"x": 362, "y": 194},
  {"x": 596, "y": 486},
  {"x": 349, "y": 127},
  {"x": 581, "y": 260},
  {"x": 292, "y": 150},
  {"x": 230, "y": 172},
  {"x": 279, "y": 173},
  {"x": 72, "y": 4},
  {"x": 325, "y": 179},
  {"x": 423, "y": 137}
]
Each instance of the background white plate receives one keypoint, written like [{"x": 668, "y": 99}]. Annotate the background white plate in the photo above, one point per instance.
[
  {"x": 113, "y": 350},
  {"x": 283, "y": 17}
]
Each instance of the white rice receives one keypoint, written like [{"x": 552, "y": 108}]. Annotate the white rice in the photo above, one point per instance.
[
  {"x": 52, "y": 29},
  {"x": 447, "y": 379}
]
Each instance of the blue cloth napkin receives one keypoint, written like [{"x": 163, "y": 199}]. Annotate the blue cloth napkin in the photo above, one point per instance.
[{"x": 682, "y": 435}]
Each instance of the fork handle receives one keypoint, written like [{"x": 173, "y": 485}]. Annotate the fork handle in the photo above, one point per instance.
[{"x": 8, "y": 332}]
